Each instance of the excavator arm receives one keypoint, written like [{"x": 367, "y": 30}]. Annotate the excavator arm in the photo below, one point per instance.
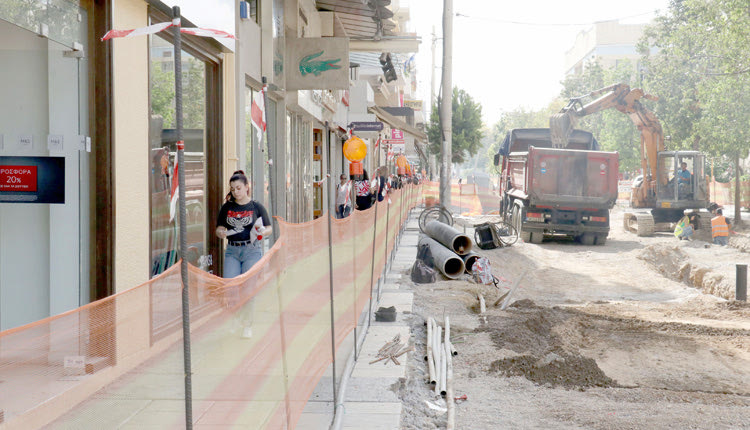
[{"x": 627, "y": 101}]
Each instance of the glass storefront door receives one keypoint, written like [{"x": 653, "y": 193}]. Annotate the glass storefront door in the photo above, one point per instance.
[
  {"x": 44, "y": 247},
  {"x": 163, "y": 145}
]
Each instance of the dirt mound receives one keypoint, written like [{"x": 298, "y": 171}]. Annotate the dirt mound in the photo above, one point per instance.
[
  {"x": 547, "y": 355},
  {"x": 549, "y": 346},
  {"x": 696, "y": 264},
  {"x": 568, "y": 371}
]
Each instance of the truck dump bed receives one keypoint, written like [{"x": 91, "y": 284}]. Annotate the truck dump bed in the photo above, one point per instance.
[{"x": 565, "y": 178}]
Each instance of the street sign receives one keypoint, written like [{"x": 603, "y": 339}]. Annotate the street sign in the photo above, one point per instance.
[
  {"x": 414, "y": 104},
  {"x": 393, "y": 141},
  {"x": 366, "y": 126}
]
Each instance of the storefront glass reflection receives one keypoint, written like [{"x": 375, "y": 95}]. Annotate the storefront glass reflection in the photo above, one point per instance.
[{"x": 162, "y": 142}]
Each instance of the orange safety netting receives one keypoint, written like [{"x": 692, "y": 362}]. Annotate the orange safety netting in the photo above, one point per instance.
[{"x": 260, "y": 343}]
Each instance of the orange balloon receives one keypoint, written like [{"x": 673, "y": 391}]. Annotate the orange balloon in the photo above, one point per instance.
[
  {"x": 355, "y": 149},
  {"x": 401, "y": 161}
]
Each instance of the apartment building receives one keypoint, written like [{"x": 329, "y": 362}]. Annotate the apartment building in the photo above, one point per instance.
[{"x": 606, "y": 42}]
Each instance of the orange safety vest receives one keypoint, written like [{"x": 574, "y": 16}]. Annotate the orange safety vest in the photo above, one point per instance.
[{"x": 719, "y": 226}]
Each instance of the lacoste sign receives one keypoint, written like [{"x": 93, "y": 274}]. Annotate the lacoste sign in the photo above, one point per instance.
[{"x": 317, "y": 63}]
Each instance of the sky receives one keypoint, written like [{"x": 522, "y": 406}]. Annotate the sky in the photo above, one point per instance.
[
  {"x": 510, "y": 54},
  {"x": 506, "y": 54}
]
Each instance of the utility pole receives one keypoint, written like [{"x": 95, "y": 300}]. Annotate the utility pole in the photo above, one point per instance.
[
  {"x": 446, "y": 105},
  {"x": 432, "y": 78}
]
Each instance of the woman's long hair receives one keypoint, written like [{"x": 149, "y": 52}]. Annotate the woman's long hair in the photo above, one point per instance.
[{"x": 238, "y": 175}]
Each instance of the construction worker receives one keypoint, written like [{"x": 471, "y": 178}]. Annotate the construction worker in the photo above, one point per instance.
[{"x": 720, "y": 229}]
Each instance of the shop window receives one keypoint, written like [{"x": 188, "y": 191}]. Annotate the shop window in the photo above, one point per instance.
[
  {"x": 163, "y": 145},
  {"x": 317, "y": 162}
]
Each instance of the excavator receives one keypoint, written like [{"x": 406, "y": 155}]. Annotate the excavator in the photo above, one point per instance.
[{"x": 673, "y": 183}]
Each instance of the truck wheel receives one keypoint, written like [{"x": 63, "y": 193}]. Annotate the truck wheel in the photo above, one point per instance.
[
  {"x": 537, "y": 237},
  {"x": 601, "y": 238},
  {"x": 518, "y": 222},
  {"x": 588, "y": 239}
]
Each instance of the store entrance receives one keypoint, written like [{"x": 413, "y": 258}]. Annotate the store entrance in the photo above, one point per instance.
[{"x": 44, "y": 224}]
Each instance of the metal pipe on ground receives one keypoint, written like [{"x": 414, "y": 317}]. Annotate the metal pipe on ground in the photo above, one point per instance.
[
  {"x": 469, "y": 260},
  {"x": 448, "y": 236},
  {"x": 449, "y": 264}
]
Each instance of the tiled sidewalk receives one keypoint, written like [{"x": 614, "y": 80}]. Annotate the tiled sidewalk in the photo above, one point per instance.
[{"x": 371, "y": 398}]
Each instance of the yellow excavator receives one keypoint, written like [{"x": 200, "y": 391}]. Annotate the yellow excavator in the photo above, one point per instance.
[{"x": 673, "y": 183}]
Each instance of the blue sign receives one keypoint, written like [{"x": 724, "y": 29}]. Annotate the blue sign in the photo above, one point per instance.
[{"x": 366, "y": 126}]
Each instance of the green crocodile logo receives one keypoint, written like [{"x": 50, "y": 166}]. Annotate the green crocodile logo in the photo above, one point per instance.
[{"x": 307, "y": 65}]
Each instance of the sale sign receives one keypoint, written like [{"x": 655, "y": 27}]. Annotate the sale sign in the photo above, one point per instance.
[
  {"x": 18, "y": 178},
  {"x": 32, "y": 180}
]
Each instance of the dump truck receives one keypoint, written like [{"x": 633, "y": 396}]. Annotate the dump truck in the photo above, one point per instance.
[{"x": 557, "y": 191}]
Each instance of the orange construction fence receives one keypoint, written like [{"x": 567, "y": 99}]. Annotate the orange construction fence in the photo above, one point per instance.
[
  {"x": 260, "y": 343},
  {"x": 466, "y": 199}
]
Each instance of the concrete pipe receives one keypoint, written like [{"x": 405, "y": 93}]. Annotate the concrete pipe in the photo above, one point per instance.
[
  {"x": 446, "y": 261},
  {"x": 448, "y": 236},
  {"x": 469, "y": 260}
]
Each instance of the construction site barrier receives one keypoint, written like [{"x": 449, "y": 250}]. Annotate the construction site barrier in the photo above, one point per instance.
[
  {"x": 466, "y": 199},
  {"x": 723, "y": 193},
  {"x": 260, "y": 342}
]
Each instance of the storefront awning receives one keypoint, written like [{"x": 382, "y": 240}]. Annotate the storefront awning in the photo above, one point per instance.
[
  {"x": 398, "y": 123},
  {"x": 358, "y": 19},
  {"x": 420, "y": 138}
]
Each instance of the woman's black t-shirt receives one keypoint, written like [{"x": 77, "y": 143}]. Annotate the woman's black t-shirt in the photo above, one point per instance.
[{"x": 241, "y": 218}]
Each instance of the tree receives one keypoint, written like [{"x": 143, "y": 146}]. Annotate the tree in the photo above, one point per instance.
[
  {"x": 466, "y": 125},
  {"x": 193, "y": 93},
  {"x": 614, "y": 130},
  {"x": 701, "y": 71}
]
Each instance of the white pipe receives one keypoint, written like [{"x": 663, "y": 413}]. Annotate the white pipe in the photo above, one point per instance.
[
  {"x": 435, "y": 346},
  {"x": 443, "y": 369},
  {"x": 447, "y": 347},
  {"x": 449, "y": 396},
  {"x": 439, "y": 363},
  {"x": 513, "y": 289},
  {"x": 430, "y": 358},
  {"x": 341, "y": 393}
]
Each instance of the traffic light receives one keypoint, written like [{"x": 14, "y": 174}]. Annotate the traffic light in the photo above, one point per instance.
[{"x": 388, "y": 70}]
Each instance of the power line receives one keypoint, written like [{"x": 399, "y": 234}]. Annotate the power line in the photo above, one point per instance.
[{"x": 543, "y": 24}]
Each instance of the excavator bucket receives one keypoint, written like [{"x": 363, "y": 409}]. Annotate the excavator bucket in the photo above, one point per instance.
[{"x": 560, "y": 128}]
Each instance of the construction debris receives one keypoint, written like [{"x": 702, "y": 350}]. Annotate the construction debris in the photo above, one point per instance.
[{"x": 392, "y": 350}]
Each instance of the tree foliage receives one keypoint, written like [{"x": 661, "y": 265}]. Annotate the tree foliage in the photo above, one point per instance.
[
  {"x": 701, "y": 72},
  {"x": 193, "y": 93},
  {"x": 613, "y": 129},
  {"x": 519, "y": 118},
  {"x": 466, "y": 127}
]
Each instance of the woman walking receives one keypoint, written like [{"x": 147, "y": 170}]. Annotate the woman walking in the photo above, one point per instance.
[{"x": 239, "y": 223}]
